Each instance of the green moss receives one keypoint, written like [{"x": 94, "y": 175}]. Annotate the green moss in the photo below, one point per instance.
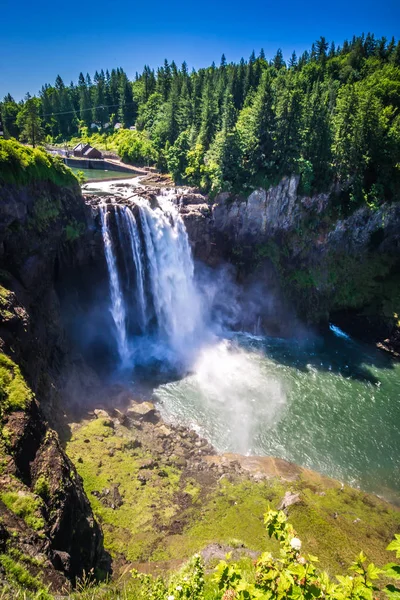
[
  {"x": 45, "y": 212},
  {"x": 109, "y": 459},
  {"x": 14, "y": 392},
  {"x": 25, "y": 558},
  {"x": 4, "y": 294},
  {"x": 340, "y": 522},
  {"x": 25, "y": 505},
  {"x": 74, "y": 230},
  {"x": 5, "y": 299},
  {"x": 233, "y": 510},
  {"x": 42, "y": 488},
  {"x": 3, "y": 455},
  {"x": 22, "y": 165}
]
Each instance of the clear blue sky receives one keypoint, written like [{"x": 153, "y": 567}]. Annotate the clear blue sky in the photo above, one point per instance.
[{"x": 40, "y": 39}]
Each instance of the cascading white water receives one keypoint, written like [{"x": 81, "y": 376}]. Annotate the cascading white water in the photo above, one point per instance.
[
  {"x": 167, "y": 306},
  {"x": 117, "y": 300},
  {"x": 138, "y": 260},
  {"x": 171, "y": 271}
]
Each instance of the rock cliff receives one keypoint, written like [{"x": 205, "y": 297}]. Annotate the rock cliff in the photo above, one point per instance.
[
  {"x": 324, "y": 258},
  {"x": 46, "y": 517}
]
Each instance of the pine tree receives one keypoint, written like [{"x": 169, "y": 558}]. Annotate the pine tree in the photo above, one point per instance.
[
  {"x": 100, "y": 111},
  {"x": 166, "y": 80},
  {"x": 249, "y": 80},
  {"x": 84, "y": 101},
  {"x": 223, "y": 160},
  {"x": 288, "y": 124},
  {"x": 293, "y": 60},
  {"x": 321, "y": 49},
  {"x": 257, "y": 129},
  {"x": 278, "y": 61},
  {"x": 64, "y": 110},
  {"x": 172, "y": 112},
  {"x": 396, "y": 55},
  {"x": 9, "y": 110},
  {"x": 185, "y": 115},
  {"x": 316, "y": 133},
  {"x": 126, "y": 108},
  {"x": 345, "y": 155},
  {"x": 30, "y": 122},
  {"x": 209, "y": 116}
]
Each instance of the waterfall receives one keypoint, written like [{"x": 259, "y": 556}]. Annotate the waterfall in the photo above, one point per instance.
[
  {"x": 117, "y": 299},
  {"x": 157, "y": 293},
  {"x": 171, "y": 270},
  {"x": 138, "y": 260}
]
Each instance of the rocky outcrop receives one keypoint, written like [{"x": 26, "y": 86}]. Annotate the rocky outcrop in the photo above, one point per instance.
[
  {"x": 55, "y": 520},
  {"x": 319, "y": 261},
  {"x": 197, "y": 215},
  {"x": 263, "y": 213}
]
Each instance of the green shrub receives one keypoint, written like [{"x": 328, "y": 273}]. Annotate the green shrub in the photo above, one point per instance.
[
  {"x": 80, "y": 175},
  {"x": 136, "y": 148}
]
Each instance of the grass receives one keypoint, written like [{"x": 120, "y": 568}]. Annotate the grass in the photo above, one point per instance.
[
  {"x": 17, "y": 573},
  {"x": 109, "y": 459},
  {"x": 153, "y": 525},
  {"x": 22, "y": 165}
]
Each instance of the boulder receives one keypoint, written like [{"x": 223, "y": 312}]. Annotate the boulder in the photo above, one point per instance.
[
  {"x": 144, "y": 411},
  {"x": 289, "y": 499}
]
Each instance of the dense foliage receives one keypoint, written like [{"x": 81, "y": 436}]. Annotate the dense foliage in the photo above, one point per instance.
[
  {"x": 333, "y": 114},
  {"x": 21, "y": 165}
]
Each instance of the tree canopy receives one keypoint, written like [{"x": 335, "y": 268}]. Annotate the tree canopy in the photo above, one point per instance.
[{"x": 332, "y": 115}]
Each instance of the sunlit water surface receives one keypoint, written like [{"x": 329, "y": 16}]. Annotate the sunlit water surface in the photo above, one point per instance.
[{"x": 330, "y": 404}]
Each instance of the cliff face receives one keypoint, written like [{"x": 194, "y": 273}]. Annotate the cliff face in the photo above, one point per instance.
[
  {"x": 321, "y": 261},
  {"x": 44, "y": 510}
]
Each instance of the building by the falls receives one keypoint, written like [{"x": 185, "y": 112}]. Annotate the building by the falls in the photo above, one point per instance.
[{"x": 83, "y": 150}]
